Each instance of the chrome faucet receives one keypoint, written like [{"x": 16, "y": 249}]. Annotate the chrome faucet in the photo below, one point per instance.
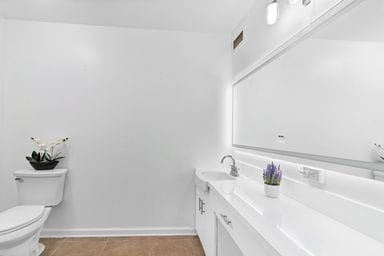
[{"x": 234, "y": 169}]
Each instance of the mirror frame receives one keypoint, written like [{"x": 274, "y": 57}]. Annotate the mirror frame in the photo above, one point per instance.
[{"x": 339, "y": 9}]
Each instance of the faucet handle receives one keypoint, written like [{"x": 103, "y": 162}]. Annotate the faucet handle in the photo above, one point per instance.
[{"x": 234, "y": 171}]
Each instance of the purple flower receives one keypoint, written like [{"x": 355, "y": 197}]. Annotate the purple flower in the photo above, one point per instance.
[{"x": 272, "y": 175}]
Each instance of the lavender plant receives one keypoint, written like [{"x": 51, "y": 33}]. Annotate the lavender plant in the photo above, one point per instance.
[{"x": 272, "y": 175}]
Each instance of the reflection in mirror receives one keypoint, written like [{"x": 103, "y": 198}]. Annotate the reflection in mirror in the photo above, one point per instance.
[{"x": 323, "y": 98}]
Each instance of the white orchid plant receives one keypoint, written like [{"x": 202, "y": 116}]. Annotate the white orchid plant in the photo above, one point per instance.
[{"x": 46, "y": 151}]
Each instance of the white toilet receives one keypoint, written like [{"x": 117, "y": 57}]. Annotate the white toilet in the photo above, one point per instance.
[{"x": 20, "y": 226}]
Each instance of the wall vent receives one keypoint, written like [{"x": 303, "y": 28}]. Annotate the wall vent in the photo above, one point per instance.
[{"x": 238, "y": 40}]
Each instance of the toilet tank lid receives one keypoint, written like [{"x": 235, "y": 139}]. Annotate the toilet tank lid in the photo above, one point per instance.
[
  {"x": 19, "y": 217},
  {"x": 33, "y": 173}
]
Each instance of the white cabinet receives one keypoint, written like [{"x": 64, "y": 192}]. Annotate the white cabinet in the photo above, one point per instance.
[
  {"x": 248, "y": 240},
  {"x": 205, "y": 221},
  {"x": 226, "y": 246},
  {"x": 222, "y": 232}
]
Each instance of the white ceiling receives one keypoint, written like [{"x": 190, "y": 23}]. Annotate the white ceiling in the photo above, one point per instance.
[{"x": 212, "y": 16}]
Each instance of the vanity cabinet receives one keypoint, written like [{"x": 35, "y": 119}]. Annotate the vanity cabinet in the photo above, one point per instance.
[
  {"x": 205, "y": 221},
  {"x": 244, "y": 239},
  {"x": 222, "y": 232},
  {"x": 226, "y": 246}
]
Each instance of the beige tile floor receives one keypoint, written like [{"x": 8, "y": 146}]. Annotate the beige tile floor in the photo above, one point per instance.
[{"x": 124, "y": 246}]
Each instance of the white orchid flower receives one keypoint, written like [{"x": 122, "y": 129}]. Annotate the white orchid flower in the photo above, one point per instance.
[
  {"x": 42, "y": 147},
  {"x": 62, "y": 141},
  {"x": 36, "y": 140}
]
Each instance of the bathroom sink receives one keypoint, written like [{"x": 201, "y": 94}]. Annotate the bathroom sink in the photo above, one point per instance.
[
  {"x": 204, "y": 177},
  {"x": 217, "y": 176},
  {"x": 227, "y": 186}
]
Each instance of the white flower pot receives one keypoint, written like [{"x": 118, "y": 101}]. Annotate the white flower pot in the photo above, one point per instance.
[{"x": 272, "y": 191}]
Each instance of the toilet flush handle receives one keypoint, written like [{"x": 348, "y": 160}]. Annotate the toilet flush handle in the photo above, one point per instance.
[{"x": 19, "y": 179}]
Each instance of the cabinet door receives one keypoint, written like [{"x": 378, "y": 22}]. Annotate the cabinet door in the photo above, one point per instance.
[
  {"x": 244, "y": 236},
  {"x": 205, "y": 221},
  {"x": 226, "y": 246},
  {"x": 199, "y": 215}
]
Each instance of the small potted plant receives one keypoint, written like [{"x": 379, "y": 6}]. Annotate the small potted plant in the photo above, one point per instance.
[
  {"x": 45, "y": 158},
  {"x": 272, "y": 178}
]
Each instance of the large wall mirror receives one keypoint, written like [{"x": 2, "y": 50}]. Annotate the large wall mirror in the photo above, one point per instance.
[{"x": 322, "y": 98}]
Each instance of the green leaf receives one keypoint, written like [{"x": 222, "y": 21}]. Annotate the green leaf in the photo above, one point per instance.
[
  {"x": 36, "y": 156},
  {"x": 57, "y": 155},
  {"x": 30, "y": 159},
  {"x": 48, "y": 157},
  {"x": 40, "y": 159}
]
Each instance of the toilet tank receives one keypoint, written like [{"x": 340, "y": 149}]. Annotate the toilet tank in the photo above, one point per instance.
[{"x": 40, "y": 187}]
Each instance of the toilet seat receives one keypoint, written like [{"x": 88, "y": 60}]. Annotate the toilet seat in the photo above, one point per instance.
[{"x": 19, "y": 217}]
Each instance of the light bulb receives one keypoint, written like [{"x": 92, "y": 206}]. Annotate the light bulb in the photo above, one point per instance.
[{"x": 272, "y": 14}]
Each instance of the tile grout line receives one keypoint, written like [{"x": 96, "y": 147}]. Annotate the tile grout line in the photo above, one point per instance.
[
  {"x": 105, "y": 245},
  {"x": 57, "y": 247}
]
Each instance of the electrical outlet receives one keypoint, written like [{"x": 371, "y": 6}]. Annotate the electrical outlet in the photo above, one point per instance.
[{"x": 315, "y": 175}]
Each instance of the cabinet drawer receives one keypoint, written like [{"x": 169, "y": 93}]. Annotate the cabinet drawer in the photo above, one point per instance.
[{"x": 247, "y": 239}]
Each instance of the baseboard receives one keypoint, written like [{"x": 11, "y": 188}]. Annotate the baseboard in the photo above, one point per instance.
[{"x": 118, "y": 232}]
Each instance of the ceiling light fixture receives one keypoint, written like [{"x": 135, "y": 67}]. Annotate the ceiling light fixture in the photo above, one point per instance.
[{"x": 272, "y": 12}]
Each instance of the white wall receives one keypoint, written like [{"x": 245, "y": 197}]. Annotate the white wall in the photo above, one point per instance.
[
  {"x": 2, "y": 173},
  {"x": 142, "y": 108},
  {"x": 262, "y": 41}
]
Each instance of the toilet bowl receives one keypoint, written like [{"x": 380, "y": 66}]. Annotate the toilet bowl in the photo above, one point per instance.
[
  {"x": 20, "y": 226},
  {"x": 20, "y": 229}
]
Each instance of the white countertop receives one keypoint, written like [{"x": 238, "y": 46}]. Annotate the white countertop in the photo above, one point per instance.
[{"x": 292, "y": 228}]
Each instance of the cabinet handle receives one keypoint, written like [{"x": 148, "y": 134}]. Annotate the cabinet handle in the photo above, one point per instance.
[
  {"x": 199, "y": 204},
  {"x": 202, "y": 207},
  {"x": 225, "y": 219}
]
